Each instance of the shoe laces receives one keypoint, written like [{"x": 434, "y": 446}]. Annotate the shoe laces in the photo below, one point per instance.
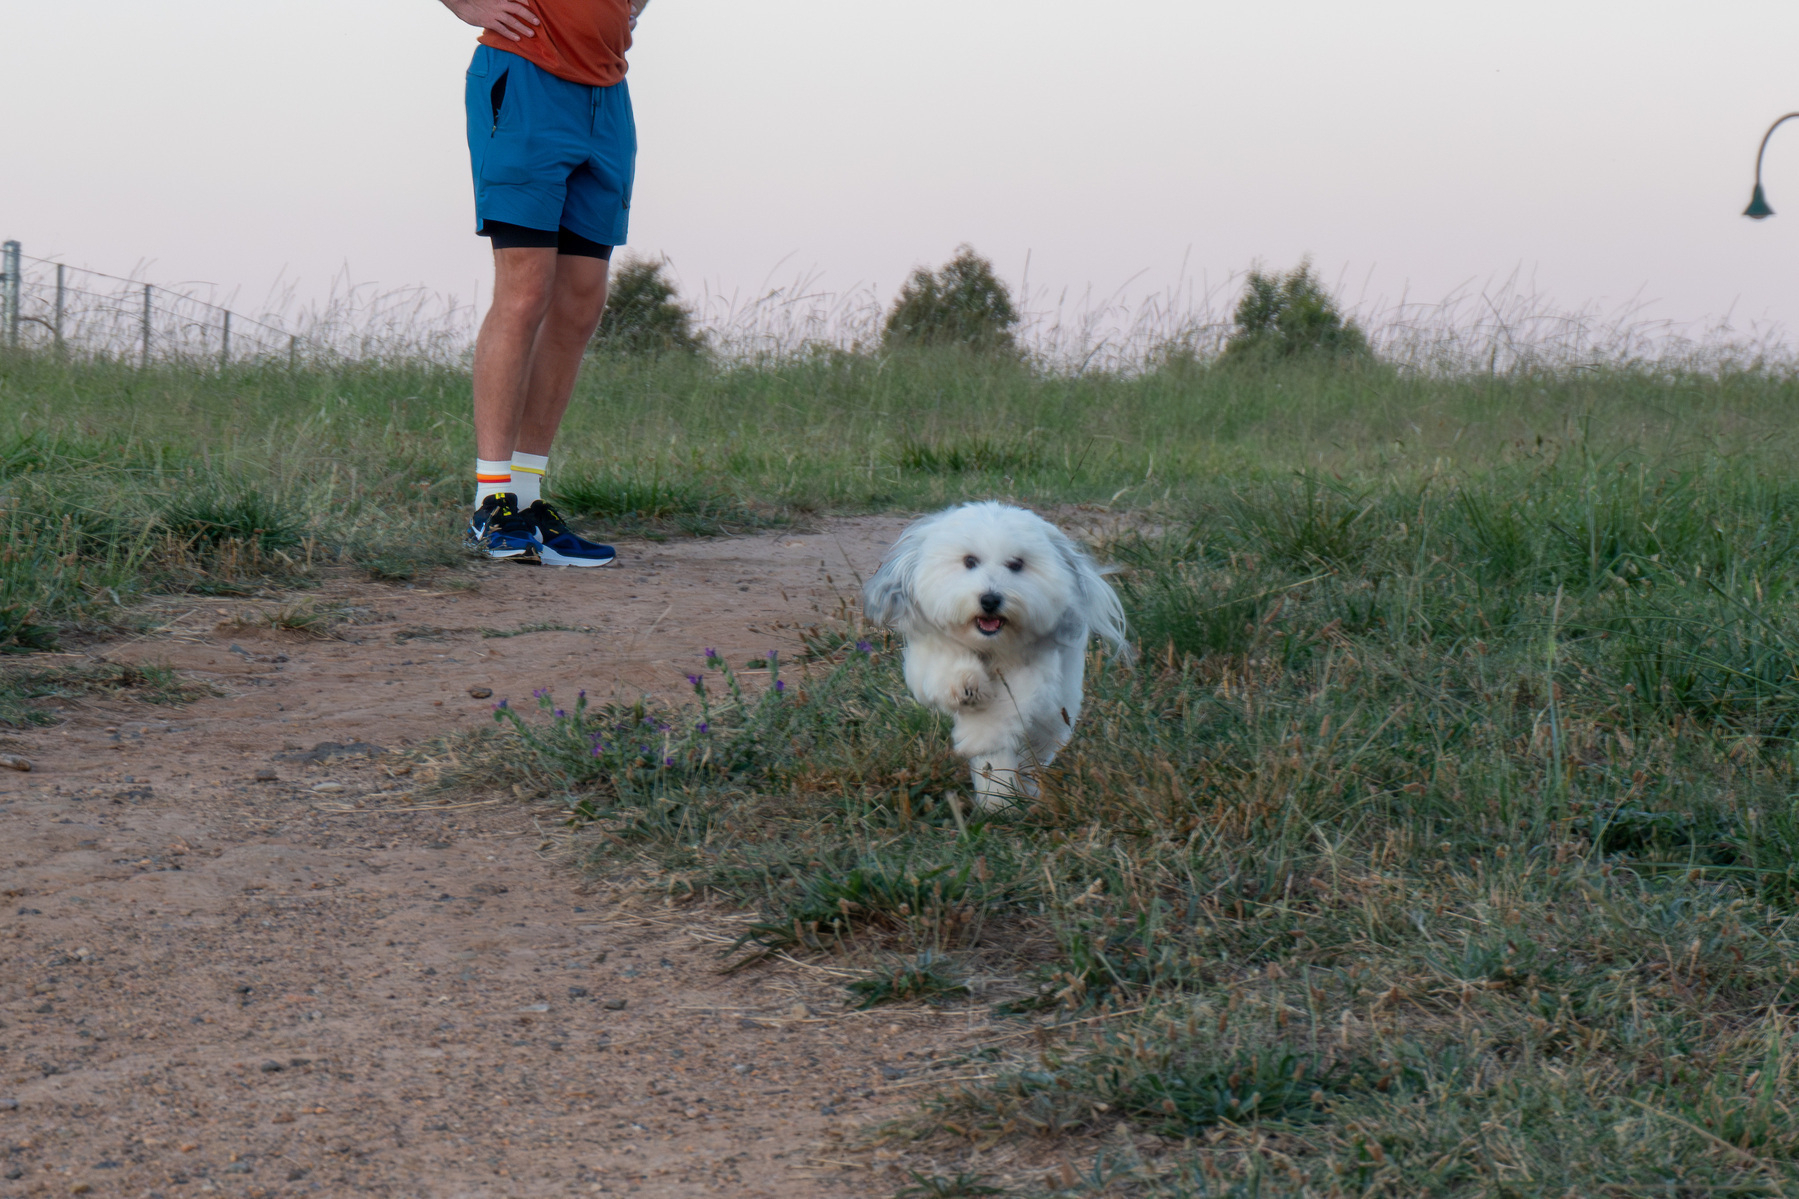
[
  {"x": 548, "y": 519},
  {"x": 496, "y": 506}
]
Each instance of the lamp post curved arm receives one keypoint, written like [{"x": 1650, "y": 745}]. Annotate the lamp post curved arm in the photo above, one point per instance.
[{"x": 1758, "y": 203}]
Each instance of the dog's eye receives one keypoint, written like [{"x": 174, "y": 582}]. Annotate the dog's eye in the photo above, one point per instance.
[
  {"x": 1015, "y": 565},
  {"x": 971, "y": 562}
]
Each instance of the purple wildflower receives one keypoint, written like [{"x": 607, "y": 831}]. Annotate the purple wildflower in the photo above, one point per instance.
[
  {"x": 560, "y": 713},
  {"x": 865, "y": 647},
  {"x": 539, "y": 692},
  {"x": 668, "y": 761},
  {"x": 780, "y": 684},
  {"x": 693, "y": 680},
  {"x": 499, "y": 705},
  {"x": 598, "y": 750},
  {"x": 581, "y": 695},
  {"x": 703, "y": 727},
  {"x": 771, "y": 655},
  {"x": 710, "y": 653}
]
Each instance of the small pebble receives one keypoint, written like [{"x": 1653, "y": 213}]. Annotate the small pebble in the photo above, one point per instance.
[
  {"x": 577, "y": 992},
  {"x": 14, "y": 762},
  {"x": 614, "y": 1005},
  {"x": 480, "y": 692},
  {"x": 265, "y": 775},
  {"x": 327, "y": 787}
]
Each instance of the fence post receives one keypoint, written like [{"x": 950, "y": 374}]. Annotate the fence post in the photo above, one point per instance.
[
  {"x": 56, "y": 327},
  {"x": 144, "y": 362},
  {"x": 225, "y": 343},
  {"x": 9, "y": 298}
]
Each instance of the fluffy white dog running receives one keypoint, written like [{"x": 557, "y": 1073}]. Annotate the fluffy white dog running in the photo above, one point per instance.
[{"x": 996, "y": 606}]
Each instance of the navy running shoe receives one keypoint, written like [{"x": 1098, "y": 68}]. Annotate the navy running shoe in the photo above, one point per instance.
[
  {"x": 557, "y": 545},
  {"x": 499, "y": 530}
]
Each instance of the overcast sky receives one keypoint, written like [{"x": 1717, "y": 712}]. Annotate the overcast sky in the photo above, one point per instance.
[{"x": 1602, "y": 148}]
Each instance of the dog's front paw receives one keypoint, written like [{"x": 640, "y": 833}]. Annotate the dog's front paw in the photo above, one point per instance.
[{"x": 969, "y": 690}]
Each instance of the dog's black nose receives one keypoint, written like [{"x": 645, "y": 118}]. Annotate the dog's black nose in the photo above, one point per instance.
[{"x": 991, "y": 601}]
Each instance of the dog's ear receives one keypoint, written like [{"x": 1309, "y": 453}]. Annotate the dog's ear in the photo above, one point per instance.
[
  {"x": 1095, "y": 597},
  {"x": 887, "y": 596}
]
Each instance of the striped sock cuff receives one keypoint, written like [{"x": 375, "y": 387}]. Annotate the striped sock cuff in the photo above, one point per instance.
[
  {"x": 527, "y": 477},
  {"x": 491, "y": 478}
]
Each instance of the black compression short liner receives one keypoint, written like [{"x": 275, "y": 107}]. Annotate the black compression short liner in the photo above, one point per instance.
[{"x": 507, "y": 236}]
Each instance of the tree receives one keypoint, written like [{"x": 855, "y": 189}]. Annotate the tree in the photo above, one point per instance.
[
  {"x": 642, "y": 314},
  {"x": 1291, "y": 315},
  {"x": 963, "y": 304}
]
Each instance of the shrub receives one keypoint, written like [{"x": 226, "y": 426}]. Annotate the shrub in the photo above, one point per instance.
[
  {"x": 642, "y": 315},
  {"x": 963, "y": 304},
  {"x": 1290, "y": 315}
]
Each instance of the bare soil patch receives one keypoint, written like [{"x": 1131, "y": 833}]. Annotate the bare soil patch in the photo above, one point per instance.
[{"x": 218, "y": 974}]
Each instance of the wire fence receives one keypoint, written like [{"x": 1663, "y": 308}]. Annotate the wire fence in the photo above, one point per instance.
[{"x": 51, "y": 306}]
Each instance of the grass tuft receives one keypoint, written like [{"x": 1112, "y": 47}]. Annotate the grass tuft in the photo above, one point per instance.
[
  {"x": 928, "y": 976},
  {"x": 27, "y": 680}
]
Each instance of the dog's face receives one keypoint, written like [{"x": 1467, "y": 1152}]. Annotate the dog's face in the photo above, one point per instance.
[{"x": 988, "y": 574}]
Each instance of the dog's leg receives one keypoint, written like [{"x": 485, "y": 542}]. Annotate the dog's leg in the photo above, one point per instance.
[
  {"x": 945, "y": 676},
  {"x": 1000, "y": 780},
  {"x": 990, "y": 740}
]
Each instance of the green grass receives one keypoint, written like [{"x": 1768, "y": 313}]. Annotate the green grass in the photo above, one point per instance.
[
  {"x": 1442, "y": 841},
  {"x": 1458, "y": 855},
  {"x": 114, "y": 481}
]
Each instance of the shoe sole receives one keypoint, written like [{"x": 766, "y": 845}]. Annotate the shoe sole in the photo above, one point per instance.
[
  {"x": 550, "y": 557},
  {"x": 483, "y": 550}
]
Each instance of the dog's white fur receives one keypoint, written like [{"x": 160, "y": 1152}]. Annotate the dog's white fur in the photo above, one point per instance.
[{"x": 1014, "y": 690}]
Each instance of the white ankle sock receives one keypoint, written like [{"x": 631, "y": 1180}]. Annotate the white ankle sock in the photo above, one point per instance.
[
  {"x": 527, "y": 477},
  {"x": 491, "y": 478}
]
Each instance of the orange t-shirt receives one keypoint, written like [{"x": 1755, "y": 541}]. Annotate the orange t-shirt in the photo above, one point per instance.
[{"x": 583, "y": 41}]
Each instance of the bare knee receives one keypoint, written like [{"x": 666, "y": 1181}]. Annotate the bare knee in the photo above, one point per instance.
[{"x": 522, "y": 304}]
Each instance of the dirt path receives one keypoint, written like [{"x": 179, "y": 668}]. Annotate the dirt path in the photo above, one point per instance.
[{"x": 214, "y": 984}]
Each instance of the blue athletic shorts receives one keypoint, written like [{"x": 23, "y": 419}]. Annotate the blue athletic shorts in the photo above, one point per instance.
[{"x": 548, "y": 153}]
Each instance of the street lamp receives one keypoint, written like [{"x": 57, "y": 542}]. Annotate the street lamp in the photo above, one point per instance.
[{"x": 1758, "y": 209}]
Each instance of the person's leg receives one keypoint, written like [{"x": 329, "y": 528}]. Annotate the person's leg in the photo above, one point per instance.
[
  {"x": 577, "y": 298},
  {"x": 524, "y": 277},
  {"x": 523, "y": 293}
]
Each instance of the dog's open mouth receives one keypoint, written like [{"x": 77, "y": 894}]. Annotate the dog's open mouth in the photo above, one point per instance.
[{"x": 990, "y": 625}]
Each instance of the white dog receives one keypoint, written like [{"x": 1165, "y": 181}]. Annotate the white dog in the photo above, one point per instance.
[{"x": 996, "y": 606}]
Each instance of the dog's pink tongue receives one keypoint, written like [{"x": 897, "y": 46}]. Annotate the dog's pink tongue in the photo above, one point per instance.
[{"x": 990, "y": 624}]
